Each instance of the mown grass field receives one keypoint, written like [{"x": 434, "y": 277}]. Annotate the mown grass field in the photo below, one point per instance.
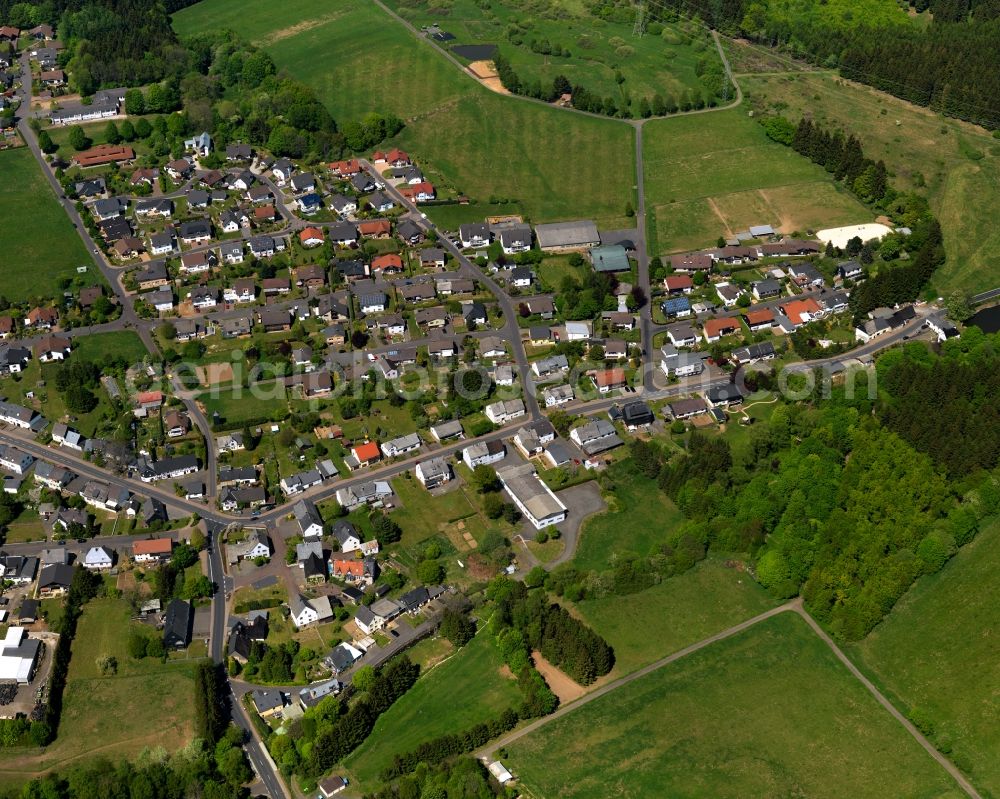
[
  {"x": 956, "y": 164},
  {"x": 711, "y": 175},
  {"x": 464, "y": 690},
  {"x": 121, "y": 344},
  {"x": 41, "y": 245},
  {"x": 675, "y": 613},
  {"x": 638, "y": 519},
  {"x": 659, "y": 63},
  {"x": 936, "y": 655},
  {"x": 769, "y": 712},
  {"x": 467, "y": 139},
  {"x": 147, "y": 704}
]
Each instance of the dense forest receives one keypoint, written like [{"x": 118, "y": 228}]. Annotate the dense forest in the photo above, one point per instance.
[
  {"x": 846, "y": 500},
  {"x": 962, "y": 431},
  {"x": 948, "y": 65},
  {"x": 109, "y": 42}
]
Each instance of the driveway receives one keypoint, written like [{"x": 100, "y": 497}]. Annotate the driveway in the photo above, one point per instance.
[{"x": 584, "y": 501}]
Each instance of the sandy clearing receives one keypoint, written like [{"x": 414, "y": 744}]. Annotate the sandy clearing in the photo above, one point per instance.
[
  {"x": 299, "y": 27},
  {"x": 486, "y": 74},
  {"x": 562, "y": 686}
]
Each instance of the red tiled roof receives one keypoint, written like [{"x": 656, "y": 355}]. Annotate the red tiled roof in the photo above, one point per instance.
[
  {"x": 795, "y": 309},
  {"x": 368, "y": 451},
  {"x": 719, "y": 327},
  {"x": 355, "y": 568},
  {"x": 759, "y": 317},
  {"x": 154, "y": 546},
  {"x": 609, "y": 377},
  {"x": 674, "y": 282}
]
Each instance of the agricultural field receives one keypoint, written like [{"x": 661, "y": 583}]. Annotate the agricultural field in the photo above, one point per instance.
[
  {"x": 712, "y": 175},
  {"x": 769, "y": 712},
  {"x": 637, "y": 520},
  {"x": 948, "y": 160},
  {"x": 549, "y": 164},
  {"x": 585, "y": 49},
  {"x": 41, "y": 247},
  {"x": 467, "y": 688},
  {"x": 935, "y": 656},
  {"x": 677, "y": 612},
  {"x": 140, "y": 691}
]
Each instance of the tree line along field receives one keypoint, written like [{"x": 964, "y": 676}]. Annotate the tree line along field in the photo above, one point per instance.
[
  {"x": 551, "y": 163},
  {"x": 956, "y": 164},
  {"x": 41, "y": 246},
  {"x": 147, "y": 704},
  {"x": 936, "y": 657},
  {"x": 708, "y": 175},
  {"x": 768, "y": 712},
  {"x": 662, "y": 62}
]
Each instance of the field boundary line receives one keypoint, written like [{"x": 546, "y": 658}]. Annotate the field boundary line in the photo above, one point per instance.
[
  {"x": 792, "y": 606},
  {"x": 908, "y": 725}
]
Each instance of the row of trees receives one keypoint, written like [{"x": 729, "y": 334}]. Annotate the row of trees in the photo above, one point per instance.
[
  {"x": 334, "y": 728},
  {"x": 562, "y": 639}
]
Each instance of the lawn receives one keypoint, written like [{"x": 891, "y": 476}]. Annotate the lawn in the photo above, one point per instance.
[
  {"x": 123, "y": 344},
  {"x": 468, "y": 140},
  {"x": 638, "y": 517},
  {"x": 664, "y": 64},
  {"x": 147, "y": 704},
  {"x": 237, "y": 407},
  {"x": 464, "y": 690},
  {"x": 936, "y": 656},
  {"x": 946, "y": 159},
  {"x": 769, "y": 712},
  {"x": 41, "y": 246},
  {"x": 675, "y": 613},
  {"x": 421, "y": 514},
  {"x": 717, "y": 174}
]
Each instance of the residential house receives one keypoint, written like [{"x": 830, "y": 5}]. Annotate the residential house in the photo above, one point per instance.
[
  {"x": 307, "y": 518},
  {"x": 475, "y": 234},
  {"x": 152, "y": 550},
  {"x": 505, "y": 411},
  {"x": 444, "y": 431},
  {"x": 177, "y": 624},
  {"x": 400, "y": 445},
  {"x": 802, "y": 311},
  {"x": 312, "y": 611},
  {"x": 765, "y": 289},
  {"x": 15, "y": 460},
  {"x": 723, "y": 396},
  {"x": 99, "y": 559},
  {"x": 636, "y": 414},
  {"x": 760, "y": 319},
  {"x": 354, "y": 571},
  {"x": 373, "y": 302},
  {"x": 764, "y": 351},
  {"x": 606, "y": 380},
  {"x": 168, "y": 468},
  {"x": 274, "y": 319},
  {"x": 41, "y": 318},
  {"x": 690, "y": 263},
  {"x": 483, "y": 453},
  {"x": 311, "y": 237},
  {"x": 678, "y": 284},
  {"x": 674, "y": 363},
  {"x": 728, "y": 293},
  {"x": 849, "y": 270},
  {"x": 715, "y": 329},
  {"x": 805, "y": 274},
  {"x": 579, "y": 331},
  {"x": 433, "y": 473},
  {"x": 595, "y": 436}
]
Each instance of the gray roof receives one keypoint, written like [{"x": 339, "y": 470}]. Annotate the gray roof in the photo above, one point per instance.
[{"x": 580, "y": 233}]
